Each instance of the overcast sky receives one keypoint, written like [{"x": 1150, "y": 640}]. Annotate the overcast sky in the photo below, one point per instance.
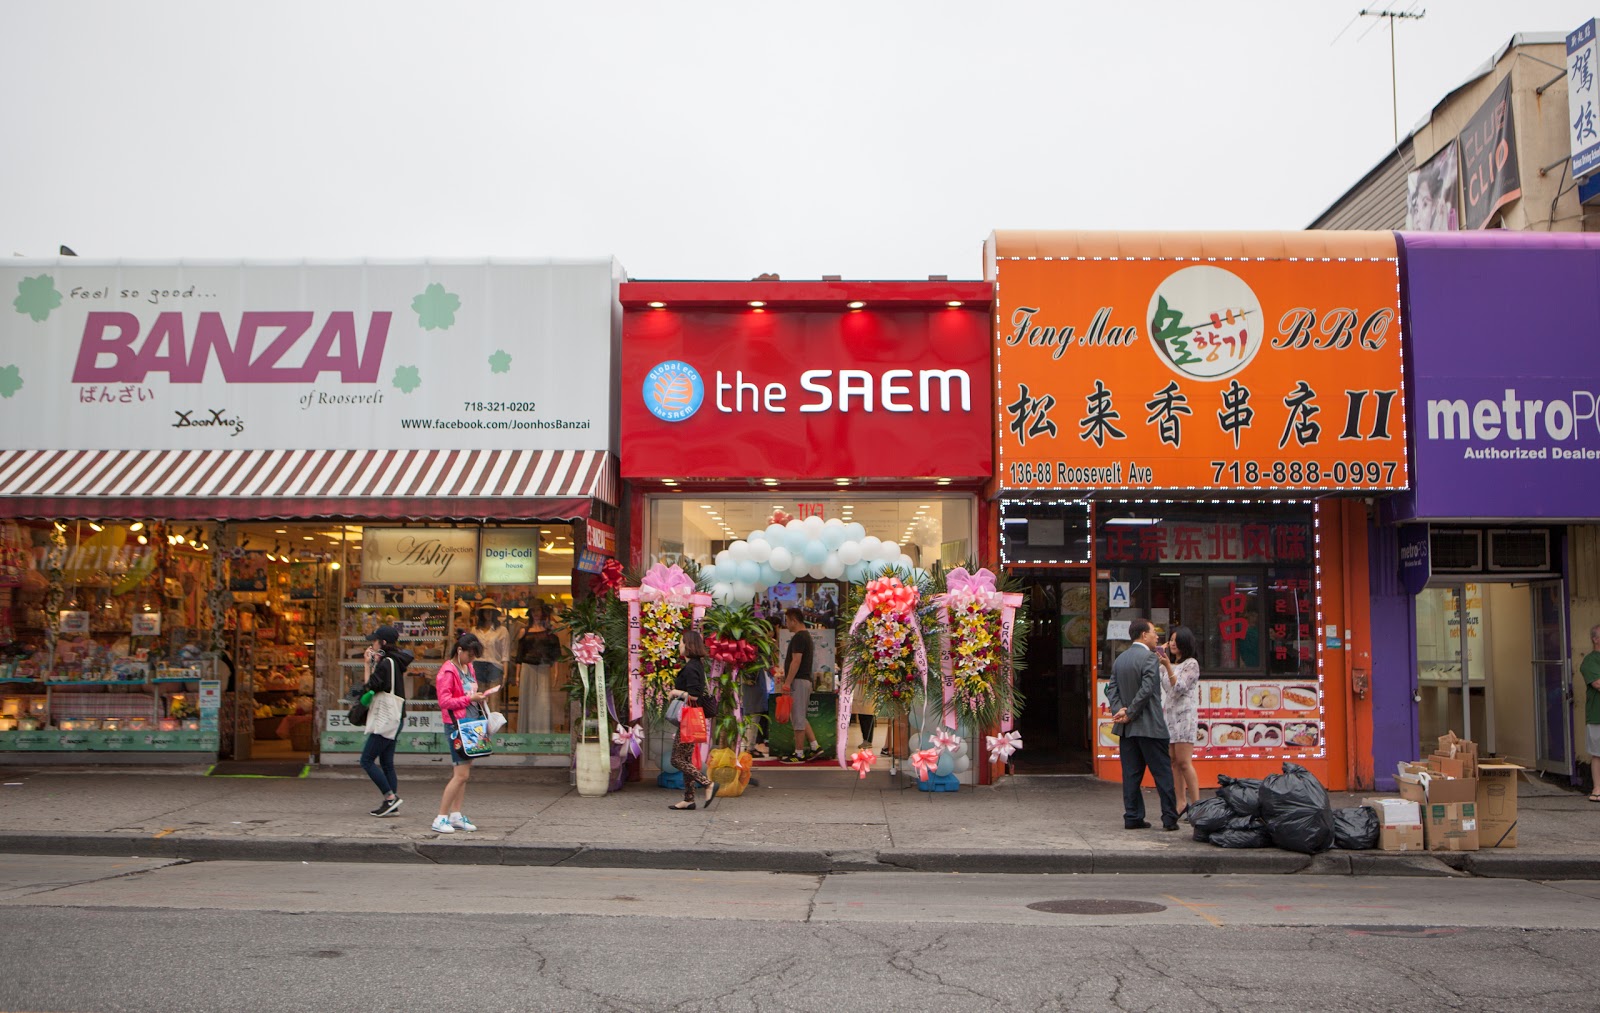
[{"x": 699, "y": 140}]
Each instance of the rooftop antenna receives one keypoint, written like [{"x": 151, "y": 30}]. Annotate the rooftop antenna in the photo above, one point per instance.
[{"x": 1394, "y": 16}]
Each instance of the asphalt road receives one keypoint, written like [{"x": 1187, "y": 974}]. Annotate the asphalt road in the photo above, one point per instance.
[{"x": 87, "y": 934}]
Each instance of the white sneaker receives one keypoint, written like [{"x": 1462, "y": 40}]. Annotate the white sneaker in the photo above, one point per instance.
[
  {"x": 462, "y": 824},
  {"x": 441, "y": 825}
]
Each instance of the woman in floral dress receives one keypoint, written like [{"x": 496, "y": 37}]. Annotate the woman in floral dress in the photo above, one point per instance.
[{"x": 1180, "y": 705}]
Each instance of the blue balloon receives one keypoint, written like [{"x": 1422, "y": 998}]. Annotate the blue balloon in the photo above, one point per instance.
[
  {"x": 749, "y": 571},
  {"x": 797, "y": 540},
  {"x": 833, "y": 536},
  {"x": 854, "y": 532},
  {"x": 946, "y": 764},
  {"x": 775, "y": 534},
  {"x": 767, "y": 577},
  {"x": 855, "y": 573},
  {"x": 815, "y": 553}
]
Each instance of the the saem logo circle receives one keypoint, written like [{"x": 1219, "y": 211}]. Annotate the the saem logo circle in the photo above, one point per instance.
[
  {"x": 1205, "y": 322},
  {"x": 673, "y": 391}
]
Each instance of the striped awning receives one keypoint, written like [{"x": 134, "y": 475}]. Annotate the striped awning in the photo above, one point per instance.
[{"x": 260, "y": 484}]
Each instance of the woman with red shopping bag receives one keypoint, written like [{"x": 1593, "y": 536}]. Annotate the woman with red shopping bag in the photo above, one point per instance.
[{"x": 693, "y": 724}]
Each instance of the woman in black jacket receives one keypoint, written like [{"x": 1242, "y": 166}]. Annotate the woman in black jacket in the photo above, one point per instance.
[{"x": 691, "y": 687}]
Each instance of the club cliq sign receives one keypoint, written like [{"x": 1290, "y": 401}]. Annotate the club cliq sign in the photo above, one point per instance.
[{"x": 1267, "y": 368}]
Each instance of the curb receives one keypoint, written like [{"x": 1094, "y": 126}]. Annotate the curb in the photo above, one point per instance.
[{"x": 806, "y": 861}]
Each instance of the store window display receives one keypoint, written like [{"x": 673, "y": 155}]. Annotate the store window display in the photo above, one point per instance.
[{"x": 538, "y": 651}]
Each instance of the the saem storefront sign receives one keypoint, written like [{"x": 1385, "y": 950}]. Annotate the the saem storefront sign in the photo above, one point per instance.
[
  {"x": 109, "y": 355},
  {"x": 1505, "y": 374},
  {"x": 806, "y": 390}
]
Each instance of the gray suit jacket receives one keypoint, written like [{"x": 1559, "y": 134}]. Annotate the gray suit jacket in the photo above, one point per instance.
[{"x": 1136, "y": 684}]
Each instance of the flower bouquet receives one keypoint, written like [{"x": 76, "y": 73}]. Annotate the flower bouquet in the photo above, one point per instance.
[
  {"x": 742, "y": 648},
  {"x": 985, "y": 633}
]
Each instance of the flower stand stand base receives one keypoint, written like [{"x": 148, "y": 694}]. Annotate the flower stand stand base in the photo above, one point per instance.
[
  {"x": 594, "y": 768},
  {"x": 940, "y": 782},
  {"x": 672, "y": 779}
]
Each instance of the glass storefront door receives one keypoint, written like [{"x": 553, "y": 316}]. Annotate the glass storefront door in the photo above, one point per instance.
[
  {"x": 1451, "y": 681},
  {"x": 1552, "y": 687}
]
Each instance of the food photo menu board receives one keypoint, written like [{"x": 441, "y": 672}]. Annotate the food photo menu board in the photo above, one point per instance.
[{"x": 1252, "y": 718}]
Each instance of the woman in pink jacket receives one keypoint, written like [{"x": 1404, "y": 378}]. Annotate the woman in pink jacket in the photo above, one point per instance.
[{"x": 460, "y": 699}]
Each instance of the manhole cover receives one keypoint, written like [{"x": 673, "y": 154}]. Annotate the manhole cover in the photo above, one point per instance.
[{"x": 1097, "y": 907}]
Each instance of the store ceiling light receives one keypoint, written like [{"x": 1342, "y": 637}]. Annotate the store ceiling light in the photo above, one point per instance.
[
  {"x": 841, "y": 481},
  {"x": 95, "y": 527},
  {"x": 943, "y": 481},
  {"x": 954, "y": 304},
  {"x": 669, "y": 481},
  {"x": 756, "y": 304},
  {"x": 281, "y": 531},
  {"x": 769, "y": 481},
  {"x": 657, "y": 305},
  {"x": 136, "y": 526},
  {"x": 1132, "y": 522},
  {"x": 855, "y": 304}
]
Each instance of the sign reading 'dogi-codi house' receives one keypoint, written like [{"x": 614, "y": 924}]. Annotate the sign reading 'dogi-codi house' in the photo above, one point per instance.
[
  {"x": 125, "y": 355},
  {"x": 1174, "y": 361}
]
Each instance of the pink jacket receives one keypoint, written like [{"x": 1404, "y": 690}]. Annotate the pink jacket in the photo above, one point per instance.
[{"x": 453, "y": 702}]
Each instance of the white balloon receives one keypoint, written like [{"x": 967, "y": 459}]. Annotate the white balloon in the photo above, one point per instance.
[
  {"x": 870, "y": 547},
  {"x": 758, "y": 535},
  {"x": 850, "y": 553},
  {"x": 739, "y": 551},
  {"x": 963, "y": 764},
  {"x": 781, "y": 559},
  {"x": 742, "y": 592},
  {"x": 724, "y": 557},
  {"x": 889, "y": 551},
  {"x": 775, "y": 534},
  {"x": 903, "y": 560},
  {"x": 833, "y": 522},
  {"x": 815, "y": 571},
  {"x": 813, "y": 526},
  {"x": 760, "y": 550},
  {"x": 722, "y": 591},
  {"x": 832, "y": 567}
]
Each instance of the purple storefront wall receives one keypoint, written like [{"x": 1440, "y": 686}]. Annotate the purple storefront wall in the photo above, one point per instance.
[{"x": 1484, "y": 313}]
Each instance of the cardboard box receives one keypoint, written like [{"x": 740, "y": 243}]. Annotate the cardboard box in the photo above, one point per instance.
[
  {"x": 1402, "y": 837},
  {"x": 1497, "y": 803},
  {"x": 1464, "y": 750},
  {"x": 1395, "y": 811},
  {"x": 1427, "y": 789},
  {"x": 1450, "y": 826}
]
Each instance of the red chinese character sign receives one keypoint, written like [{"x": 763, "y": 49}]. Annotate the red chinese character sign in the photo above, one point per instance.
[{"x": 1164, "y": 364}]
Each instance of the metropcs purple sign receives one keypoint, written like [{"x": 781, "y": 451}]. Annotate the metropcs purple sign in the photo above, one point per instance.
[{"x": 1504, "y": 340}]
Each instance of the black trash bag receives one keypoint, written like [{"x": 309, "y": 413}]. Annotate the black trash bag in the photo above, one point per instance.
[
  {"x": 1210, "y": 814},
  {"x": 1243, "y": 832},
  {"x": 1241, "y": 794},
  {"x": 1294, "y": 805},
  {"x": 1203, "y": 836},
  {"x": 1355, "y": 829}
]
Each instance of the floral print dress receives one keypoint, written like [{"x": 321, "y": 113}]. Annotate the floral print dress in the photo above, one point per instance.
[{"x": 1180, "y": 703}]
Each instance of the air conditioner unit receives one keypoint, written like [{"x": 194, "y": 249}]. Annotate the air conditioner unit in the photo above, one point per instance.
[
  {"x": 1456, "y": 550},
  {"x": 1519, "y": 550}
]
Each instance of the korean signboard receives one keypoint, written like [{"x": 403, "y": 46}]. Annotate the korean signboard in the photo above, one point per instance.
[
  {"x": 146, "y": 356},
  {"x": 1583, "y": 98},
  {"x": 1198, "y": 372}
]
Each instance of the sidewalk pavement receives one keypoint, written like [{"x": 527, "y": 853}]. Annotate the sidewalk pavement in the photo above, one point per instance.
[{"x": 804, "y": 821}]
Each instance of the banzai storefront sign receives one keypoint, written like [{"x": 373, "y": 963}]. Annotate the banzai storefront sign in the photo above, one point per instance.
[{"x": 1159, "y": 372}]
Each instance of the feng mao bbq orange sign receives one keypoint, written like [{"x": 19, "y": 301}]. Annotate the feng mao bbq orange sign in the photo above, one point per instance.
[{"x": 1249, "y": 362}]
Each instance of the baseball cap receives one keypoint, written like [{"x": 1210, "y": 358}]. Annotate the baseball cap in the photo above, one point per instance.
[{"x": 388, "y": 634}]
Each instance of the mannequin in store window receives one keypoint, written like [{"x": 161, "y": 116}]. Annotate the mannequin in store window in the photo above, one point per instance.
[
  {"x": 538, "y": 649},
  {"x": 495, "y": 637}
]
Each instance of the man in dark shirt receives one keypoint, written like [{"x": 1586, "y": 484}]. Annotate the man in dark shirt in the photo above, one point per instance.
[{"x": 797, "y": 680}]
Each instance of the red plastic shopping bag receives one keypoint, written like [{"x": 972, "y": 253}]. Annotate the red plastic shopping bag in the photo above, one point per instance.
[{"x": 692, "y": 725}]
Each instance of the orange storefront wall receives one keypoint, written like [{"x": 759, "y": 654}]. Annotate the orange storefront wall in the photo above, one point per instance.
[{"x": 1341, "y": 574}]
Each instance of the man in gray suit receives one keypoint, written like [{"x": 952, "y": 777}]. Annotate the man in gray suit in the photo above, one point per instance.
[{"x": 1134, "y": 693}]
